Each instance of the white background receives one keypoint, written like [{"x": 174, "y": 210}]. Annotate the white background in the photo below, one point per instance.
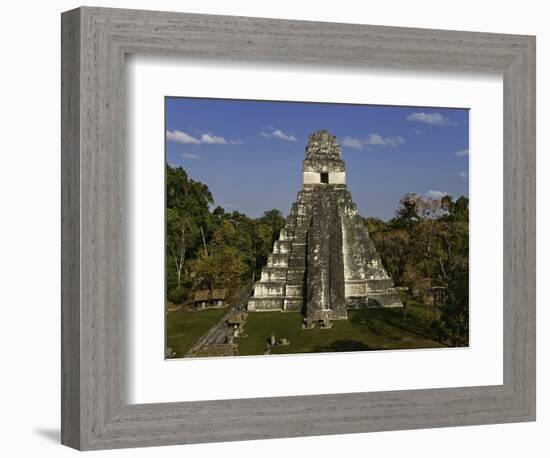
[
  {"x": 29, "y": 231},
  {"x": 155, "y": 380}
]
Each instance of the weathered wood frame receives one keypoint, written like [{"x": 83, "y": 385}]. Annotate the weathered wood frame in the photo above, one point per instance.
[{"x": 95, "y": 414}]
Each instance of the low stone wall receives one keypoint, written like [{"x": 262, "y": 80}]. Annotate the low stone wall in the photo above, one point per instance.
[
  {"x": 265, "y": 304},
  {"x": 374, "y": 299}
]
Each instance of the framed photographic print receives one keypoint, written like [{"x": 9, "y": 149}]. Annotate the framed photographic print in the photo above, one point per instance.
[{"x": 286, "y": 228}]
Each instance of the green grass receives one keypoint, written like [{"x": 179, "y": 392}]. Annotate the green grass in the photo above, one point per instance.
[
  {"x": 370, "y": 329},
  {"x": 183, "y": 327}
]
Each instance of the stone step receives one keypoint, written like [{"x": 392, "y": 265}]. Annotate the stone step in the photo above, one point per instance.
[
  {"x": 273, "y": 274},
  {"x": 355, "y": 288},
  {"x": 380, "y": 284},
  {"x": 294, "y": 305},
  {"x": 265, "y": 304},
  {"x": 386, "y": 299},
  {"x": 298, "y": 247},
  {"x": 303, "y": 220},
  {"x": 290, "y": 223},
  {"x": 302, "y": 209},
  {"x": 282, "y": 246},
  {"x": 269, "y": 289},
  {"x": 296, "y": 275},
  {"x": 296, "y": 260},
  {"x": 277, "y": 260},
  {"x": 294, "y": 291},
  {"x": 286, "y": 234}
]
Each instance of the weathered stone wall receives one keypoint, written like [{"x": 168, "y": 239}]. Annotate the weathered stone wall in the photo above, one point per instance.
[
  {"x": 337, "y": 177},
  {"x": 314, "y": 178}
]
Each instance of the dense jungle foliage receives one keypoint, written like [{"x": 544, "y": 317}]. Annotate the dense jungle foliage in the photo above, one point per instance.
[{"x": 424, "y": 246}]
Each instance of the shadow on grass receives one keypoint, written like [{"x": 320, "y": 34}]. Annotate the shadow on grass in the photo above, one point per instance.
[
  {"x": 374, "y": 318},
  {"x": 342, "y": 345}
]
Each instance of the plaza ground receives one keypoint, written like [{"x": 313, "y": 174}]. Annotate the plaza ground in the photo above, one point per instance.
[{"x": 368, "y": 329}]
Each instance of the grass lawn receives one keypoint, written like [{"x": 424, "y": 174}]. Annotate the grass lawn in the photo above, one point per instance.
[
  {"x": 370, "y": 329},
  {"x": 183, "y": 327}
]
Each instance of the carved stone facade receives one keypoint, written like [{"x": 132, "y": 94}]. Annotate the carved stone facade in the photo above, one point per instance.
[{"x": 324, "y": 261}]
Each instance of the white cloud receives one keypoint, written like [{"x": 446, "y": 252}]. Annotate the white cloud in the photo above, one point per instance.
[
  {"x": 464, "y": 152},
  {"x": 279, "y": 134},
  {"x": 209, "y": 138},
  {"x": 372, "y": 140},
  {"x": 180, "y": 137},
  {"x": 377, "y": 139},
  {"x": 434, "y": 119},
  {"x": 436, "y": 194},
  {"x": 351, "y": 142},
  {"x": 395, "y": 141},
  {"x": 282, "y": 136},
  {"x": 190, "y": 156},
  {"x": 463, "y": 175}
]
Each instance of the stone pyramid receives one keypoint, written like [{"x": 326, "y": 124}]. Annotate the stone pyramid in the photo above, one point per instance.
[{"x": 324, "y": 261}]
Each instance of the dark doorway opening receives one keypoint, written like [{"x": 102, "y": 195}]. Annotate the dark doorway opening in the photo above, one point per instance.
[{"x": 324, "y": 178}]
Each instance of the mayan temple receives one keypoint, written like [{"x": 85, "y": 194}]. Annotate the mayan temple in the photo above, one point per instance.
[{"x": 324, "y": 261}]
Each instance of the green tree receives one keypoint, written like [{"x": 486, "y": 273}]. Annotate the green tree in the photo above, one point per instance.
[
  {"x": 179, "y": 237},
  {"x": 222, "y": 269},
  {"x": 274, "y": 220},
  {"x": 392, "y": 244},
  {"x": 426, "y": 245},
  {"x": 187, "y": 212},
  {"x": 187, "y": 196}
]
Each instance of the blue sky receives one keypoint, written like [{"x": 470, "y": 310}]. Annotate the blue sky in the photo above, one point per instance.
[{"x": 250, "y": 153}]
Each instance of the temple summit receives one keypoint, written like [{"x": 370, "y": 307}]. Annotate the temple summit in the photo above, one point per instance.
[{"x": 324, "y": 262}]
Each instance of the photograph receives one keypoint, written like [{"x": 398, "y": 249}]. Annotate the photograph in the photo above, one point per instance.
[{"x": 308, "y": 227}]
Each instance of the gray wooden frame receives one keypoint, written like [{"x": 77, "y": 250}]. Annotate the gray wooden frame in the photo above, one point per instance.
[{"x": 95, "y": 413}]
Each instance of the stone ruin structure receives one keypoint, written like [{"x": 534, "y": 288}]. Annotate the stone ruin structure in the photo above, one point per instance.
[{"x": 324, "y": 262}]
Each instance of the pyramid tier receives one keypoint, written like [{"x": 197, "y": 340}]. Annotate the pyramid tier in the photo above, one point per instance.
[{"x": 282, "y": 285}]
